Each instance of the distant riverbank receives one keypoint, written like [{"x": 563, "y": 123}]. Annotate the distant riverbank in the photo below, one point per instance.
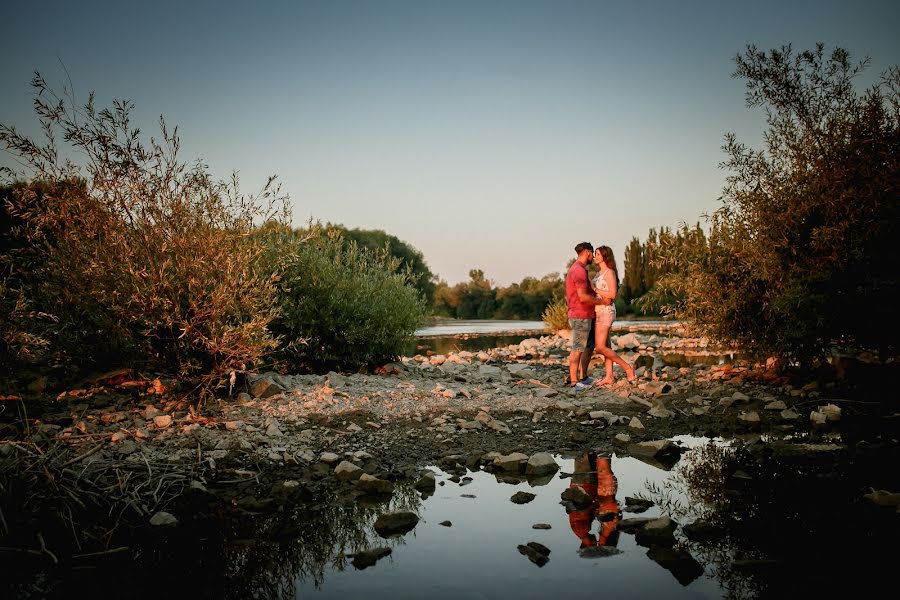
[{"x": 455, "y": 327}]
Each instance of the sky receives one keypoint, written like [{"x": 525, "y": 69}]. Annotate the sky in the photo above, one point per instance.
[{"x": 490, "y": 135}]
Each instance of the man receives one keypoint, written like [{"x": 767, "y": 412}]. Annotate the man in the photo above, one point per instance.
[{"x": 581, "y": 300}]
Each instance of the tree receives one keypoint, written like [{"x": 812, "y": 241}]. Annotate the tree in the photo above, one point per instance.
[
  {"x": 409, "y": 257},
  {"x": 801, "y": 254}
]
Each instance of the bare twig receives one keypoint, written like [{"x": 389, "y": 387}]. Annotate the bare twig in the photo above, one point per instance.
[
  {"x": 44, "y": 549},
  {"x": 103, "y": 553},
  {"x": 81, "y": 456}
]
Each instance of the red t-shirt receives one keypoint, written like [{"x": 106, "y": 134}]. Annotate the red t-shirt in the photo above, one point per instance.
[{"x": 577, "y": 277}]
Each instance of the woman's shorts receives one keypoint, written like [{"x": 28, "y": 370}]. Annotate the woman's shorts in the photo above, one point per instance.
[
  {"x": 582, "y": 335},
  {"x": 606, "y": 315}
]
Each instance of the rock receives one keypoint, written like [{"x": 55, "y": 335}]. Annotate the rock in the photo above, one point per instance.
[
  {"x": 368, "y": 558},
  {"x": 641, "y": 401},
  {"x": 396, "y": 523},
  {"x": 576, "y": 496},
  {"x": 162, "y": 421},
  {"x": 329, "y": 458},
  {"x": 353, "y": 428},
  {"x": 749, "y": 417},
  {"x": 489, "y": 371},
  {"x": 661, "y": 450},
  {"x": 273, "y": 428},
  {"x": 635, "y": 423},
  {"x": 628, "y": 341},
  {"x": 522, "y": 497},
  {"x": 701, "y": 531},
  {"x": 883, "y": 497},
  {"x": 151, "y": 411},
  {"x": 446, "y": 524},
  {"x": 832, "y": 412},
  {"x": 520, "y": 371},
  {"x": 700, "y": 410},
  {"x": 536, "y": 553},
  {"x": 426, "y": 482},
  {"x": 657, "y": 388},
  {"x": 499, "y": 426},
  {"x": 622, "y": 438},
  {"x": 511, "y": 462},
  {"x": 789, "y": 415},
  {"x": 347, "y": 470},
  {"x": 541, "y": 463},
  {"x": 677, "y": 561},
  {"x": 776, "y": 405},
  {"x": 234, "y": 425},
  {"x": 598, "y": 551},
  {"x": 739, "y": 397},
  {"x": 265, "y": 387},
  {"x": 127, "y": 448},
  {"x": 818, "y": 418},
  {"x": 163, "y": 519},
  {"x": 541, "y": 526},
  {"x": 659, "y": 531},
  {"x": 372, "y": 485}
]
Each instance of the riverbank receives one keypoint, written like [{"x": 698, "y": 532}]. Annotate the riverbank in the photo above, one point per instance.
[{"x": 97, "y": 469}]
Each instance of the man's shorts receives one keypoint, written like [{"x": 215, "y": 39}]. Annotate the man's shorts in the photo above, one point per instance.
[{"x": 582, "y": 335}]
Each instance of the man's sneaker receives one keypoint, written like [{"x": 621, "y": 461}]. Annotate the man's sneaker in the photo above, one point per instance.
[
  {"x": 580, "y": 387},
  {"x": 587, "y": 380}
]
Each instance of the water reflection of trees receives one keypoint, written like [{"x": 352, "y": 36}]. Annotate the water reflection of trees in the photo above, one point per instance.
[
  {"x": 266, "y": 556},
  {"x": 766, "y": 518},
  {"x": 697, "y": 492}
]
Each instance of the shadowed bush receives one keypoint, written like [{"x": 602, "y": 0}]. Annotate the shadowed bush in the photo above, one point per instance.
[
  {"x": 133, "y": 255},
  {"x": 340, "y": 306}
]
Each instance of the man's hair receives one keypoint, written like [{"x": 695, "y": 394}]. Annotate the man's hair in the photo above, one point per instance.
[{"x": 583, "y": 246}]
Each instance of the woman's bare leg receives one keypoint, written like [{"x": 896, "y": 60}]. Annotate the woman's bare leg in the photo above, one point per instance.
[{"x": 610, "y": 356}]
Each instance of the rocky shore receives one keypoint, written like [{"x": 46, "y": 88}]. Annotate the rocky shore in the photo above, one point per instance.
[{"x": 279, "y": 439}]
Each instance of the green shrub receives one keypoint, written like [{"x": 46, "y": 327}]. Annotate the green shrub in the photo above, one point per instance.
[
  {"x": 556, "y": 315},
  {"x": 801, "y": 256},
  {"x": 135, "y": 256},
  {"x": 341, "y": 306}
]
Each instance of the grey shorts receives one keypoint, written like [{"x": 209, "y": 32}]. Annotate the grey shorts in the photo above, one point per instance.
[{"x": 582, "y": 335}]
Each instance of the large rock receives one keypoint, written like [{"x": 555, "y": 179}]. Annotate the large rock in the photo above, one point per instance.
[
  {"x": 396, "y": 523},
  {"x": 347, "y": 470},
  {"x": 372, "y": 485},
  {"x": 541, "y": 463},
  {"x": 265, "y": 387},
  {"x": 367, "y": 558},
  {"x": 520, "y": 371},
  {"x": 677, "y": 561},
  {"x": 511, "y": 462},
  {"x": 577, "y": 497},
  {"x": 629, "y": 341}
]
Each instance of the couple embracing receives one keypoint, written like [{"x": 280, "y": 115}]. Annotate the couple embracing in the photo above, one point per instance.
[{"x": 592, "y": 311}]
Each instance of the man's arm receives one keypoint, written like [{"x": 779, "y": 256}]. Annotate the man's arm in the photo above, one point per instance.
[{"x": 586, "y": 297}]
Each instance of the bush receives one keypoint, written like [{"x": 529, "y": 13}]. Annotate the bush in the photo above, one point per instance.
[
  {"x": 801, "y": 255},
  {"x": 135, "y": 255},
  {"x": 556, "y": 315},
  {"x": 341, "y": 306}
]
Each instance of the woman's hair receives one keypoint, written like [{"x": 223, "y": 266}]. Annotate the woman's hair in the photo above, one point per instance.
[{"x": 610, "y": 259}]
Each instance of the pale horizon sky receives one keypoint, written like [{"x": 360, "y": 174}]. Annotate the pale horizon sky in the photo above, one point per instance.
[{"x": 490, "y": 135}]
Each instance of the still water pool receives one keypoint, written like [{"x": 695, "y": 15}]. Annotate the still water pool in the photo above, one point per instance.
[{"x": 476, "y": 556}]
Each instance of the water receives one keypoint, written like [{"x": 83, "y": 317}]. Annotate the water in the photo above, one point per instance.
[
  {"x": 476, "y": 335},
  {"x": 477, "y": 556},
  {"x": 783, "y": 525}
]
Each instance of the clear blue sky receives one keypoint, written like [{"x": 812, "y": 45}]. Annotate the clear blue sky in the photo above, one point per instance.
[{"x": 492, "y": 135}]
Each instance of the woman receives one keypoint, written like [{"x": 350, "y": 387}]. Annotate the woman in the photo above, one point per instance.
[{"x": 606, "y": 285}]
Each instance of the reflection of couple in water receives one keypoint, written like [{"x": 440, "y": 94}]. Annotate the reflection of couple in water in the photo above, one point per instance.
[{"x": 594, "y": 475}]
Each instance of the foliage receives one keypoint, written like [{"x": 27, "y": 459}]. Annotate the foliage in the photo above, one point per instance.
[
  {"x": 132, "y": 255},
  {"x": 479, "y": 299},
  {"x": 556, "y": 315},
  {"x": 801, "y": 254},
  {"x": 340, "y": 305},
  {"x": 647, "y": 263},
  {"x": 410, "y": 259}
]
